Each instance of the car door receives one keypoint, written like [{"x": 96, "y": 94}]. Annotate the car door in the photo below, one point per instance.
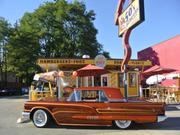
[{"x": 80, "y": 109}]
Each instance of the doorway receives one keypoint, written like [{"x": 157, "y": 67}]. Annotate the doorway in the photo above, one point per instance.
[{"x": 104, "y": 80}]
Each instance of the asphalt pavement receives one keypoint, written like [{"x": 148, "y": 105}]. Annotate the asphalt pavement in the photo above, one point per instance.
[{"x": 11, "y": 108}]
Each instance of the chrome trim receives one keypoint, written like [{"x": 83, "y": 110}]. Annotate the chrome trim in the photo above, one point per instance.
[
  {"x": 26, "y": 115},
  {"x": 161, "y": 118}
]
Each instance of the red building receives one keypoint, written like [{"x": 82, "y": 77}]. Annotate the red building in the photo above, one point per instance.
[{"x": 165, "y": 54}]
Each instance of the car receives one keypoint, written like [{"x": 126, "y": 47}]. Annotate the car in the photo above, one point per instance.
[
  {"x": 25, "y": 90},
  {"x": 93, "y": 106},
  {"x": 8, "y": 91}
]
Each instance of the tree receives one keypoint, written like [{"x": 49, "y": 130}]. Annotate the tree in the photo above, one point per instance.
[
  {"x": 64, "y": 29},
  {"x": 55, "y": 29},
  {"x": 4, "y": 32},
  {"x": 23, "y": 51}
]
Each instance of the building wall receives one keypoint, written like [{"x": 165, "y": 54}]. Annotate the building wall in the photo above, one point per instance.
[
  {"x": 113, "y": 79},
  {"x": 11, "y": 77},
  {"x": 166, "y": 54},
  {"x": 10, "y": 82}
]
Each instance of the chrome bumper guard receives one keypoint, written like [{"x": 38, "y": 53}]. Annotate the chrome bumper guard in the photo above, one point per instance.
[
  {"x": 26, "y": 115},
  {"x": 161, "y": 118}
]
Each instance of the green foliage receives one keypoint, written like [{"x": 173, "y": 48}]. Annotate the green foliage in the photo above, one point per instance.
[
  {"x": 4, "y": 32},
  {"x": 64, "y": 29},
  {"x": 4, "y": 29},
  {"x": 23, "y": 51},
  {"x": 55, "y": 29}
]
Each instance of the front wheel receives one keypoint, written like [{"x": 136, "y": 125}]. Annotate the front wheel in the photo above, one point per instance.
[
  {"x": 123, "y": 124},
  {"x": 41, "y": 118}
]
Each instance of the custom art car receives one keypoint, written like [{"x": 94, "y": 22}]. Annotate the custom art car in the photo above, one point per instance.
[{"x": 93, "y": 106}]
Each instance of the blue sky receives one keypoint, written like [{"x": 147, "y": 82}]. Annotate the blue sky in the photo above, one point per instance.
[{"x": 162, "y": 21}]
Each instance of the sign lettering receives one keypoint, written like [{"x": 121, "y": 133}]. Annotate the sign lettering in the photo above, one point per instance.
[
  {"x": 91, "y": 61},
  {"x": 132, "y": 16}
]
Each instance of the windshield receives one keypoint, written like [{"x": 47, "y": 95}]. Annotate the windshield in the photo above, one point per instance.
[
  {"x": 75, "y": 96},
  {"x": 88, "y": 96}
]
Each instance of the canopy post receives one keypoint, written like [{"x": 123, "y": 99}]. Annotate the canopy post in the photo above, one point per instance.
[
  {"x": 125, "y": 83},
  {"x": 47, "y": 70}
]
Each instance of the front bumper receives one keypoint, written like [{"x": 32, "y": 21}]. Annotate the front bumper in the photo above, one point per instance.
[
  {"x": 161, "y": 118},
  {"x": 26, "y": 115}
]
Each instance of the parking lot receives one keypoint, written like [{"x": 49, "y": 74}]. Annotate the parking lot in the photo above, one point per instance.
[{"x": 11, "y": 108}]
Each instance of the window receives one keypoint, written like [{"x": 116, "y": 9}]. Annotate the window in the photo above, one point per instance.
[
  {"x": 88, "y": 96},
  {"x": 102, "y": 96},
  {"x": 132, "y": 80},
  {"x": 97, "y": 80},
  {"x": 79, "y": 82},
  {"x": 90, "y": 81},
  {"x": 94, "y": 96},
  {"x": 75, "y": 96},
  {"x": 120, "y": 80},
  {"x": 104, "y": 81}
]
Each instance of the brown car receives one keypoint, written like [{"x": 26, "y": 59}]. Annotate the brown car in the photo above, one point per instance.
[{"x": 93, "y": 106}]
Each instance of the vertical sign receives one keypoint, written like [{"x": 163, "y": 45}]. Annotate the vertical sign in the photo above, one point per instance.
[{"x": 131, "y": 16}]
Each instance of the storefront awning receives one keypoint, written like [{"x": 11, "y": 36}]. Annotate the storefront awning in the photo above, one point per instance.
[{"x": 91, "y": 70}]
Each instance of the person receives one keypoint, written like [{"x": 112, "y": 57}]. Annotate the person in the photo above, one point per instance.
[
  {"x": 104, "y": 81},
  {"x": 39, "y": 86}
]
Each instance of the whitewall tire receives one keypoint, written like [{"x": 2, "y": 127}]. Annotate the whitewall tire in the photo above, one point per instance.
[{"x": 40, "y": 118}]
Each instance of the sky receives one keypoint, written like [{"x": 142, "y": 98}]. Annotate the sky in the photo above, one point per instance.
[{"x": 162, "y": 22}]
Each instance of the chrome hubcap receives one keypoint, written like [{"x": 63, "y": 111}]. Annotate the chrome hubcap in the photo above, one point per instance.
[
  {"x": 40, "y": 118},
  {"x": 123, "y": 123}
]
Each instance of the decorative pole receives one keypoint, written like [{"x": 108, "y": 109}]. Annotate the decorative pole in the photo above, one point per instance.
[
  {"x": 59, "y": 84},
  {"x": 127, "y": 20},
  {"x": 127, "y": 57}
]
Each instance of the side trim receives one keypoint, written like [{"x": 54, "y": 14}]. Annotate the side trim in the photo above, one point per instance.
[
  {"x": 122, "y": 117},
  {"x": 122, "y": 111},
  {"x": 71, "y": 124},
  {"x": 67, "y": 112}
]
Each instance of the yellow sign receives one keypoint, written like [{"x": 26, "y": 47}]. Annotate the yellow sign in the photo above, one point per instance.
[
  {"x": 115, "y": 62},
  {"x": 65, "y": 61},
  {"x": 132, "y": 16}
]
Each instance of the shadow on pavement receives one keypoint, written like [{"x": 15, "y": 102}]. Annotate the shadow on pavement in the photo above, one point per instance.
[{"x": 172, "y": 123}]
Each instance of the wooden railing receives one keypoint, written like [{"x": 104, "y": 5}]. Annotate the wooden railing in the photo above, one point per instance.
[{"x": 161, "y": 94}]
